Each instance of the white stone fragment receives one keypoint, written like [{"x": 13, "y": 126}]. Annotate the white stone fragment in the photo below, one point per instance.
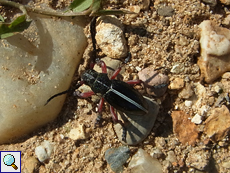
[
  {"x": 143, "y": 162},
  {"x": 188, "y": 103},
  {"x": 110, "y": 37},
  {"x": 44, "y": 151},
  {"x": 197, "y": 119},
  {"x": 36, "y": 66},
  {"x": 77, "y": 133}
]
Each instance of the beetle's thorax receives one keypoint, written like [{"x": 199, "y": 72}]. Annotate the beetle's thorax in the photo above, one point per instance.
[{"x": 98, "y": 82}]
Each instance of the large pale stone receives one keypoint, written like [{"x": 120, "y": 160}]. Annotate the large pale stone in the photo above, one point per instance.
[
  {"x": 143, "y": 162},
  {"x": 215, "y": 50},
  {"x": 36, "y": 65}
]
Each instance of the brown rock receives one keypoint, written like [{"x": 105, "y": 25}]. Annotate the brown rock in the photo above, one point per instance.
[
  {"x": 31, "y": 165},
  {"x": 155, "y": 82},
  {"x": 184, "y": 128},
  {"x": 218, "y": 123},
  {"x": 177, "y": 83},
  {"x": 226, "y": 2}
]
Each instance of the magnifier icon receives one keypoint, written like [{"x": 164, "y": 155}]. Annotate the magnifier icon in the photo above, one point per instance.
[{"x": 9, "y": 161}]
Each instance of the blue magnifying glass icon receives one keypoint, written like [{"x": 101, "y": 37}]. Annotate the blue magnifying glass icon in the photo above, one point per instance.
[{"x": 9, "y": 161}]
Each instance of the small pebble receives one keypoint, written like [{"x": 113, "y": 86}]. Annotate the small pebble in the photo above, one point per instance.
[
  {"x": 210, "y": 2},
  {"x": 177, "y": 68},
  {"x": 176, "y": 84},
  {"x": 171, "y": 157},
  {"x": 188, "y": 103},
  {"x": 44, "y": 151},
  {"x": 157, "y": 153},
  {"x": 197, "y": 119},
  {"x": 226, "y": 164},
  {"x": 31, "y": 164},
  {"x": 143, "y": 162},
  {"x": 217, "y": 125},
  {"x": 165, "y": 11},
  {"x": 226, "y": 2},
  {"x": 117, "y": 157},
  {"x": 198, "y": 158},
  {"x": 187, "y": 92},
  {"x": 77, "y": 133}
]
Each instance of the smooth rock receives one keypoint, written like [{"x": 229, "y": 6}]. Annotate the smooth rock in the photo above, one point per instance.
[
  {"x": 110, "y": 37},
  {"x": 157, "y": 153},
  {"x": 44, "y": 151},
  {"x": 226, "y": 164},
  {"x": 226, "y": 20},
  {"x": 171, "y": 157},
  {"x": 226, "y": 2},
  {"x": 77, "y": 133},
  {"x": 165, "y": 11},
  {"x": 185, "y": 130},
  {"x": 117, "y": 157},
  {"x": 210, "y": 2},
  {"x": 176, "y": 84},
  {"x": 177, "y": 68},
  {"x": 217, "y": 125},
  {"x": 198, "y": 158},
  {"x": 143, "y": 162},
  {"x": 197, "y": 119},
  {"x": 201, "y": 93},
  {"x": 215, "y": 51},
  {"x": 36, "y": 66},
  {"x": 187, "y": 92},
  {"x": 155, "y": 83},
  {"x": 136, "y": 9},
  {"x": 138, "y": 126}
]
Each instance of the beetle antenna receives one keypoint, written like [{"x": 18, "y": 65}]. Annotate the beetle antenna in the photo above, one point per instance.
[
  {"x": 58, "y": 94},
  {"x": 93, "y": 34},
  {"x": 64, "y": 92}
]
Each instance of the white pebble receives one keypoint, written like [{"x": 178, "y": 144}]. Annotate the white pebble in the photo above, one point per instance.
[
  {"x": 197, "y": 119},
  {"x": 188, "y": 103},
  {"x": 44, "y": 151},
  {"x": 138, "y": 68}
]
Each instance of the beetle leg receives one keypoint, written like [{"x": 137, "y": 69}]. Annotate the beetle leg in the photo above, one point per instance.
[
  {"x": 115, "y": 119},
  {"x": 132, "y": 82},
  {"x": 114, "y": 115},
  {"x": 116, "y": 72},
  {"x": 102, "y": 65},
  {"x": 100, "y": 106},
  {"x": 84, "y": 95}
]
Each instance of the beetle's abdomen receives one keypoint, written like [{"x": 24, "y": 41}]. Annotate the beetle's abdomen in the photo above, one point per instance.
[{"x": 124, "y": 98}]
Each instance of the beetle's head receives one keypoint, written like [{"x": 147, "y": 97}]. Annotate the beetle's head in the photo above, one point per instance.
[{"x": 89, "y": 77}]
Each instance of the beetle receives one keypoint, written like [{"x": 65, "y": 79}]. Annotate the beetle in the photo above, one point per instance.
[{"x": 119, "y": 94}]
